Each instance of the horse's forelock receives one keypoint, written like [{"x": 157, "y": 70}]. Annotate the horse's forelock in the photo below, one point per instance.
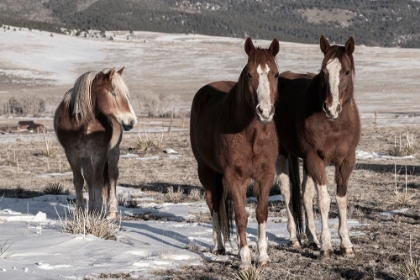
[
  {"x": 79, "y": 98},
  {"x": 340, "y": 53}
]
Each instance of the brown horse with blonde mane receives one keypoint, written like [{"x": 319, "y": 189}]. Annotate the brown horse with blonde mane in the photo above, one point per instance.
[
  {"x": 234, "y": 141},
  {"x": 89, "y": 123},
  {"x": 317, "y": 120}
]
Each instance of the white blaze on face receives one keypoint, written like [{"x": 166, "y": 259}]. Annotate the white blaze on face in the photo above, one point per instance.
[
  {"x": 263, "y": 92},
  {"x": 334, "y": 68}
]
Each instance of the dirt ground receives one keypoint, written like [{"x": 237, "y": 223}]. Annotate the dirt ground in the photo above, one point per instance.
[{"x": 382, "y": 252}]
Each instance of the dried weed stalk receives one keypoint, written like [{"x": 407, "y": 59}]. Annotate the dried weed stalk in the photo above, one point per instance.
[
  {"x": 410, "y": 270},
  {"x": 402, "y": 198},
  {"x": 4, "y": 247},
  {"x": 47, "y": 151}
]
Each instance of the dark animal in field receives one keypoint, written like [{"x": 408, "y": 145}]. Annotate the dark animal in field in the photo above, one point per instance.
[{"x": 234, "y": 142}]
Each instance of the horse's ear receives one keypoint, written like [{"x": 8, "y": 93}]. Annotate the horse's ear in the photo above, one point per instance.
[
  {"x": 349, "y": 47},
  {"x": 274, "y": 47},
  {"x": 121, "y": 71},
  {"x": 110, "y": 74},
  {"x": 249, "y": 47},
  {"x": 324, "y": 44}
]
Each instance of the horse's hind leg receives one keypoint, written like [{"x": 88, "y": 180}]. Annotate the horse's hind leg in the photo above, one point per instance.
[
  {"x": 315, "y": 167},
  {"x": 77, "y": 180},
  {"x": 308, "y": 190},
  {"x": 93, "y": 169},
  {"x": 209, "y": 179},
  {"x": 282, "y": 169},
  {"x": 111, "y": 182},
  {"x": 342, "y": 174}
]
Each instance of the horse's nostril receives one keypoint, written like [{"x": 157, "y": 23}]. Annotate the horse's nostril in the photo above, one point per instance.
[
  {"x": 260, "y": 110},
  {"x": 338, "y": 107},
  {"x": 324, "y": 107},
  {"x": 132, "y": 122}
]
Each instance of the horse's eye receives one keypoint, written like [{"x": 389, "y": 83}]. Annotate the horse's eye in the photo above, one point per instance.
[
  {"x": 347, "y": 72},
  {"x": 276, "y": 75},
  {"x": 249, "y": 75}
]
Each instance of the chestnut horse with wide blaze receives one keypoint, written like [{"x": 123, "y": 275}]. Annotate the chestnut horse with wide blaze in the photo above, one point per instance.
[
  {"x": 89, "y": 123},
  {"x": 318, "y": 121},
  {"x": 234, "y": 141}
]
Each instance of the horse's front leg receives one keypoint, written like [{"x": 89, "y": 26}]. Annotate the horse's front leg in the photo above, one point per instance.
[
  {"x": 96, "y": 199},
  {"x": 263, "y": 189},
  {"x": 342, "y": 174},
  {"x": 315, "y": 168},
  {"x": 236, "y": 187}
]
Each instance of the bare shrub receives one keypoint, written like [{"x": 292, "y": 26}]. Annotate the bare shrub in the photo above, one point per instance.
[
  {"x": 79, "y": 221},
  {"x": 54, "y": 188}
]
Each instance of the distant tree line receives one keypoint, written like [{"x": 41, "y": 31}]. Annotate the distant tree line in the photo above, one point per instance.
[{"x": 376, "y": 23}]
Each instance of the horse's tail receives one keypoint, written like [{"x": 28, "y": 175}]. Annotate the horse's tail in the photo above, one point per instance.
[
  {"x": 296, "y": 196},
  {"x": 225, "y": 208}
]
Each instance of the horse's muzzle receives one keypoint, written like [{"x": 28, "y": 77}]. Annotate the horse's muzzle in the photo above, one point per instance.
[
  {"x": 332, "y": 112},
  {"x": 265, "y": 115},
  {"x": 128, "y": 126}
]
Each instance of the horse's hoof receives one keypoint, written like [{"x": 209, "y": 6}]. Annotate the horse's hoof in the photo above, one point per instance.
[
  {"x": 325, "y": 254},
  {"x": 348, "y": 252},
  {"x": 244, "y": 265},
  {"x": 294, "y": 245},
  {"x": 112, "y": 215},
  {"x": 314, "y": 246},
  {"x": 263, "y": 261},
  {"x": 219, "y": 252}
]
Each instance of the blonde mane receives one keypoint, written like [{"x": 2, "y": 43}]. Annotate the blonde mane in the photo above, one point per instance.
[{"x": 79, "y": 98}]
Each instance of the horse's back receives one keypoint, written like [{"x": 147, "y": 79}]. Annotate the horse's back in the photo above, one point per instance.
[{"x": 205, "y": 111}]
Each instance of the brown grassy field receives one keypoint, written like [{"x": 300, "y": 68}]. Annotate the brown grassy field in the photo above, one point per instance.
[{"x": 376, "y": 186}]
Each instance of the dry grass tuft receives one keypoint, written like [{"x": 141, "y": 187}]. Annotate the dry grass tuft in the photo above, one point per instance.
[
  {"x": 251, "y": 273},
  {"x": 409, "y": 270},
  {"x": 403, "y": 198},
  {"x": 79, "y": 221},
  {"x": 195, "y": 195},
  {"x": 173, "y": 196},
  {"x": 54, "y": 188}
]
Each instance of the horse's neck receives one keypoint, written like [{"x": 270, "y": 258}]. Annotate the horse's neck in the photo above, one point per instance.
[{"x": 236, "y": 113}]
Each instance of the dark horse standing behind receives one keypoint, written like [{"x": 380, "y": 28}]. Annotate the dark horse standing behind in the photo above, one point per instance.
[
  {"x": 89, "y": 124},
  {"x": 234, "y": 141},
  {"x": 318, "y": 121}
]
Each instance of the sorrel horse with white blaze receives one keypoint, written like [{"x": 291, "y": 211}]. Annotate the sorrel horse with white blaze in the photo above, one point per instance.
[
  {"x": 89, "y": 123},
  {"x": 317, "y": 120},
  {"x": 234, "y": 141}
]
